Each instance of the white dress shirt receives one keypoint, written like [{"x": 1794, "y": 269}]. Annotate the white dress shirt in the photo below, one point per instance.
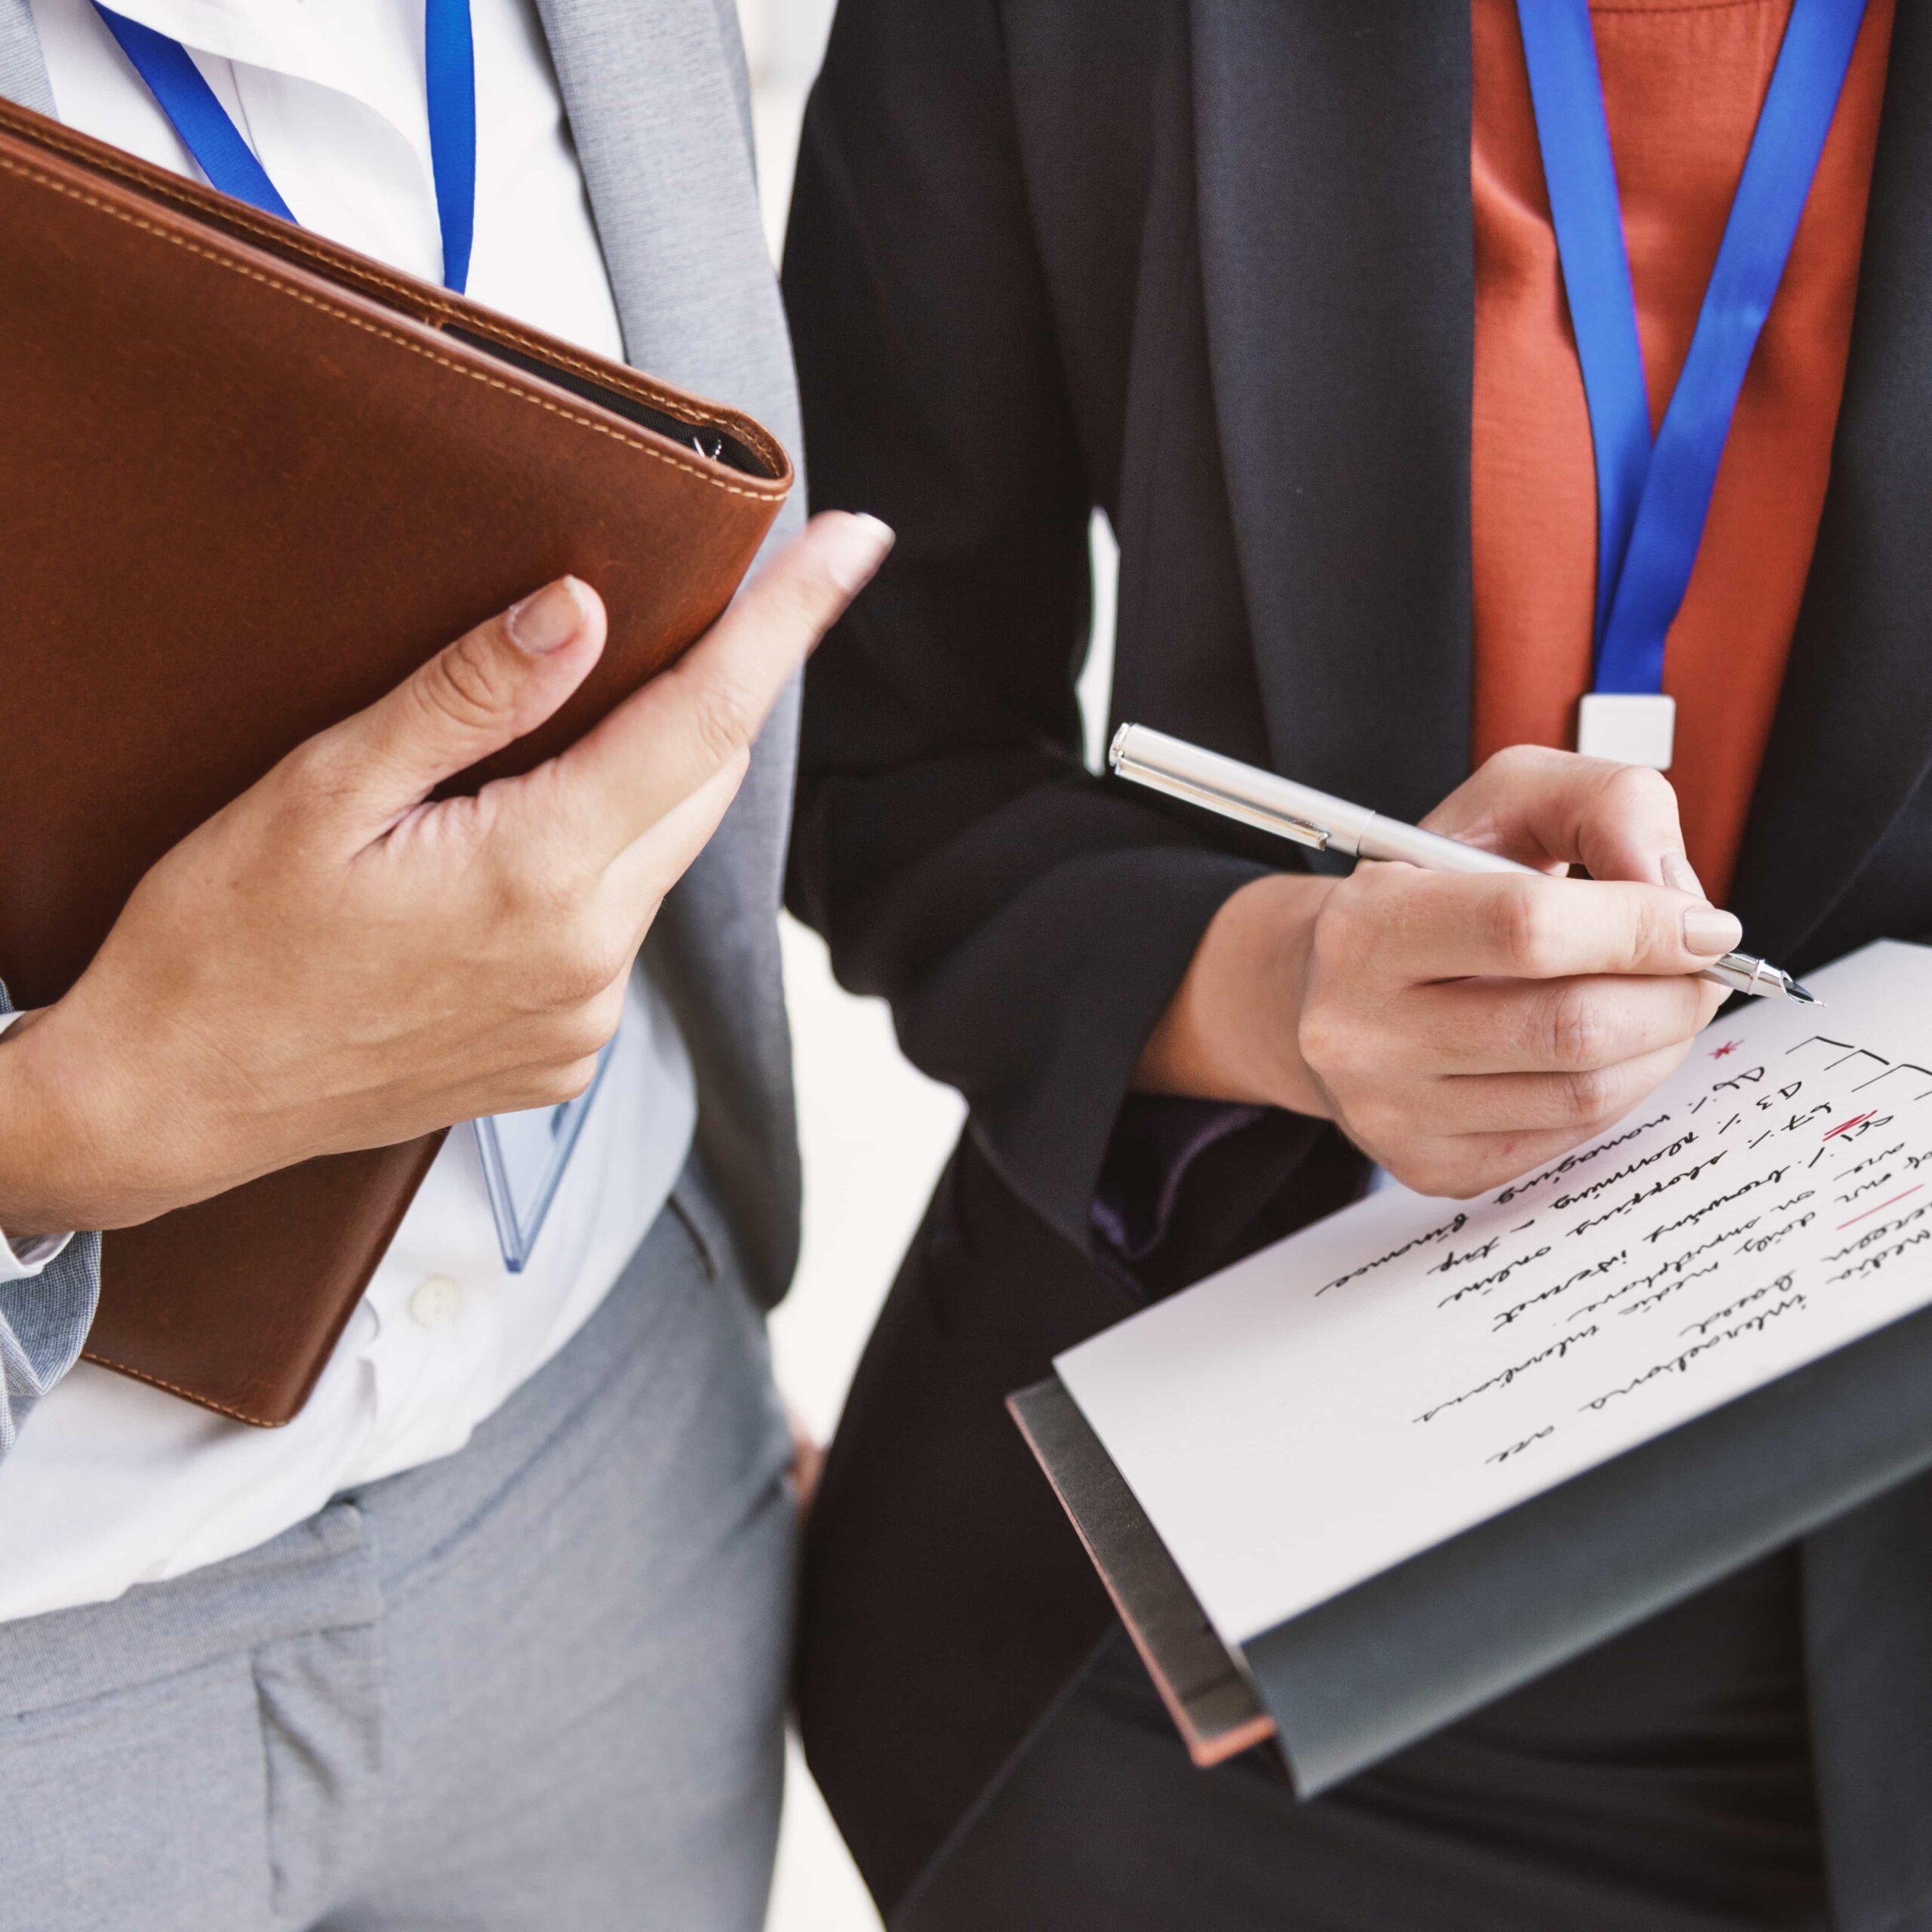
[{"x": 113, "y": 1483}]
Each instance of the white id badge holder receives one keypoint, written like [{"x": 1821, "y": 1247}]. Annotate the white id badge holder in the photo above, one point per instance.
[{"x": 524, "y": 1156}]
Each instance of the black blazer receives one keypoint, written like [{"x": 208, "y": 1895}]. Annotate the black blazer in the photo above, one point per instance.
[{"x": 1208, "y": 267}]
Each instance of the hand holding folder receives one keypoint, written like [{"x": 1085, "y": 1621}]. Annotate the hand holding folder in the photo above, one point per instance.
[
  {"x": 388, "y": 963},
  {"x": 250, "y": 484}
]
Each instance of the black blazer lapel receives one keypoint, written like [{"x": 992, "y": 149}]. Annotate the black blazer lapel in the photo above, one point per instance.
[
  {"x": 1853, "y": 736},
  {"x": 1333, "y": 176}
]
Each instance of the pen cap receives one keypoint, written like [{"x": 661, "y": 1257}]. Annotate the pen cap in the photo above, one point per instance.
[{"x": 1237, "y": 791}]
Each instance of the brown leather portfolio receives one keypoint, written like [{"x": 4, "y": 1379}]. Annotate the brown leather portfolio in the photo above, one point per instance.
[{"x": 248, "y": 481}]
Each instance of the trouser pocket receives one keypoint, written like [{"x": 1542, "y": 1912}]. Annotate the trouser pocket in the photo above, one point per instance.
[{"x": 145, "y": 1807}]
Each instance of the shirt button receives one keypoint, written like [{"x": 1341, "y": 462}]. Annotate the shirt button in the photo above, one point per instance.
[{"x": 437, "y": 1304}]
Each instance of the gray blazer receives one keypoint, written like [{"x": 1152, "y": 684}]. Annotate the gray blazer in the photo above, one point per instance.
[{"x": 658, "y": 101}]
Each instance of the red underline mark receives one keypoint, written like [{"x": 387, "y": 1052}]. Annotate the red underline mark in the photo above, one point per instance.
[
  {"x": 1846, "y": 1126},
  {"x": 1892, "y": 1203}
]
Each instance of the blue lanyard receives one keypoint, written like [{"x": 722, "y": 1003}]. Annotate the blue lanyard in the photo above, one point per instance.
[
  {"x": 1652, "y": 502},
  {"x": 225, "y": 158}
]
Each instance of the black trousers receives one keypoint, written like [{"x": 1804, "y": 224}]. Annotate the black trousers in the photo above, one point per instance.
[{"x": 1661, "y": 1784}]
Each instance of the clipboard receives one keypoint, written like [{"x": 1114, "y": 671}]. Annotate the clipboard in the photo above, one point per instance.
[{"x": 1345, "y": 1677}]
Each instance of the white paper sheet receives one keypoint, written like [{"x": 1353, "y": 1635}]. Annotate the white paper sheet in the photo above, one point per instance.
[{"x": 1408, "y": 1367}]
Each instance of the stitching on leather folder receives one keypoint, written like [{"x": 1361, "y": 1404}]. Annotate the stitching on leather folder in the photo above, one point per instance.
[
  {"x": 376, "y": 329},
  {"x": 280, "y": 235},
  {"x": 174, "y": 1389}
]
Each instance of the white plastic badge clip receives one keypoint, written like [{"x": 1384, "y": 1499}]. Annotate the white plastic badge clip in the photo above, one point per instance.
[{"x": 1632, "y": 727}]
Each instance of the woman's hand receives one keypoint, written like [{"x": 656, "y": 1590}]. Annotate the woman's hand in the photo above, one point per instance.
[
  {"x": 339, "y": 960},
  {"x": 1461, "y": 1028}
]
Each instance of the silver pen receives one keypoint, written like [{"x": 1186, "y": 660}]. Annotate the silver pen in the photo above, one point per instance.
[{"x": 1309, "y": 817}]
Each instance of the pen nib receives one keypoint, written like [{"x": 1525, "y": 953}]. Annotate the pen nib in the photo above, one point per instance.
[{"x": 1794, "y": 991}]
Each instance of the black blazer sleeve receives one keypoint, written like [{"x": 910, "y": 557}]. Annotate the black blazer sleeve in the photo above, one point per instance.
[{"x": 1028, "y": 921}]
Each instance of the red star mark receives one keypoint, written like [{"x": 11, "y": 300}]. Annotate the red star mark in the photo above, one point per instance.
[{"x": 1729, "y": 1047}]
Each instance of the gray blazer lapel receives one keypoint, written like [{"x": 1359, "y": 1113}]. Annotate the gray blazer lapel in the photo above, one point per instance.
[
  {"x": 659, "y": 108},
  {"x": 654, "y": 96},
  {"x": 23, "y": 72}
]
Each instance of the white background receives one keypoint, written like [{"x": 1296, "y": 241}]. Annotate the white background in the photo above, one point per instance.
[{"x": 875, "y": 1132}]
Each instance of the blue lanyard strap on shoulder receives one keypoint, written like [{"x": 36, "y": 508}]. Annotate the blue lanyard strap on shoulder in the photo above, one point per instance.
[
  {"x": 449, "y": 53},
  {"x": 1652, "y": 502},
  {"x": 207, "y": 133}
]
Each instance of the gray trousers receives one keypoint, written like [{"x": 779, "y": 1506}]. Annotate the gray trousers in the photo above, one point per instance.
[{"x": 539, "y": 1685}]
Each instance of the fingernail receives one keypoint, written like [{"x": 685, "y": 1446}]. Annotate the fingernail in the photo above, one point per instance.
[
  {"x": 1677, "y": 875},
  {"x": 548, "y": 619},
  {"x": 855, "y": 546},
  {"x": 1709, "y": 931}
]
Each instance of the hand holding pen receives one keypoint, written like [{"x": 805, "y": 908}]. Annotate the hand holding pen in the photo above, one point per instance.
[
  {"x": 1315, "y": 819},
  {"x": 1460, "y": 1025}
]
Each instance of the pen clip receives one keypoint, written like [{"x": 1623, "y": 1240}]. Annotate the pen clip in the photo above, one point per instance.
[{"x": 1299, "y": 830}]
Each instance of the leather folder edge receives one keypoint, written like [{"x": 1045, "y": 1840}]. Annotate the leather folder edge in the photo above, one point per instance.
[
  {"x": 279, "y": 1413},
  {"x": 1210, "y": 1699},
  {"x": 71, "y": 162}
]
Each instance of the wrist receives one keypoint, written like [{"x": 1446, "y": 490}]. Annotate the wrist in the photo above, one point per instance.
[
  {"x": 30, "y": 1153},
  {"x": 1230, "y": 1031},
  {"x": 59, "y": 1169}
]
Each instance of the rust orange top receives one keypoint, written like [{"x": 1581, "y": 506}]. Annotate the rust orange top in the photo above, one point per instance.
[{"x": 1683, "y": 80}]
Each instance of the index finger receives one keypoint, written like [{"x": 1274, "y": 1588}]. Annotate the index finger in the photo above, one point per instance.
[
  {"x": 1444, "y": 926},
  {"x": 701, "y": 715},
  {"x": 1549, "y": 808}
]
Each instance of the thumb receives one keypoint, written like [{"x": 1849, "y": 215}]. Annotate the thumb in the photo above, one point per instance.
[
  {"x": 1552, "y": 809},
  {"x": 475, "y": 696}
]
